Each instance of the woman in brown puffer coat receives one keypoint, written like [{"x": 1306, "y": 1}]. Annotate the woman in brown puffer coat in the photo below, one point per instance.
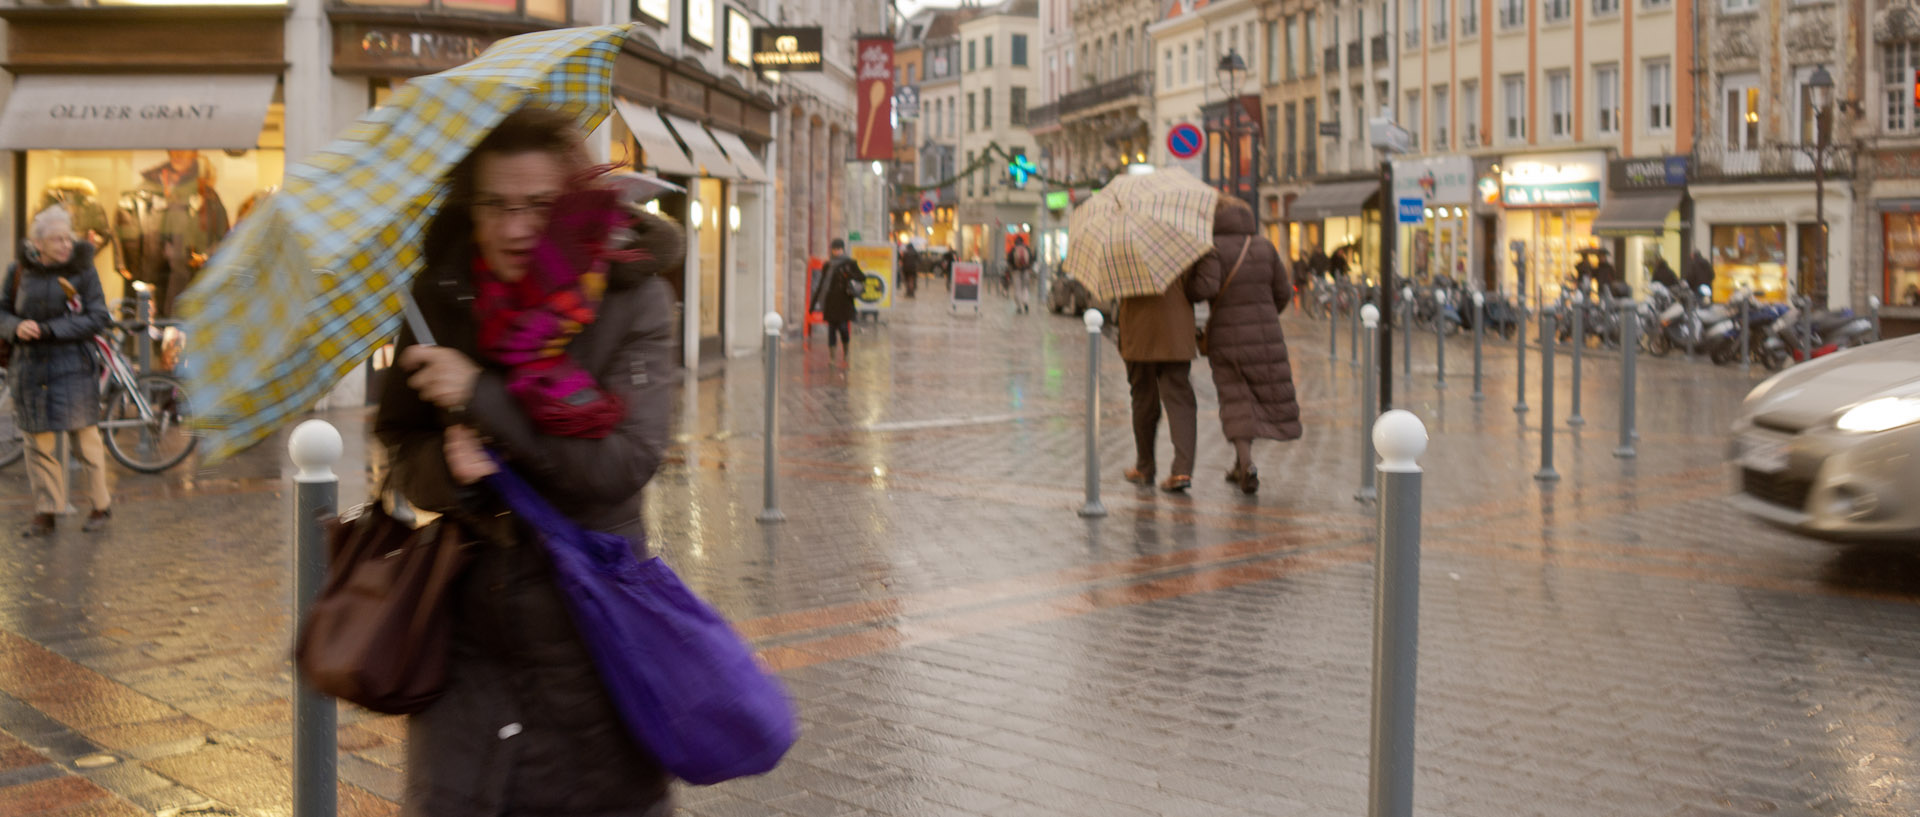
[{"x": 1245, "y": 348}]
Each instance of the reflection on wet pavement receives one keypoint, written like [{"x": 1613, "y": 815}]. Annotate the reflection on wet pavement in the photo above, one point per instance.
[{"x": 961, "y": 642}]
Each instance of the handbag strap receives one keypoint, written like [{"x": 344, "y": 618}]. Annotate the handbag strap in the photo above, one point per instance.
[{"x": 1236, "y": 264}]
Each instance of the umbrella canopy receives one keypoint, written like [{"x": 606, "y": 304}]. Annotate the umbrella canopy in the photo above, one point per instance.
[
  {"x": 1138, "y": 234},
  {"x": 306, "y": 289}
]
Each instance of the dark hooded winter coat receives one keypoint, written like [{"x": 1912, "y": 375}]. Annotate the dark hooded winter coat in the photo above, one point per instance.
[
  {"x": 1245, "y": 348},
  {"x": 55, "y": 379},
  {"x": 525, "y": 726}
]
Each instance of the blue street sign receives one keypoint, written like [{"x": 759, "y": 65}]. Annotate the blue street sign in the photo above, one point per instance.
[
  {"x": 926, "y": 206},
  {"x": 1184, "y": 141},
  {"x": 1412, "y": 211}
]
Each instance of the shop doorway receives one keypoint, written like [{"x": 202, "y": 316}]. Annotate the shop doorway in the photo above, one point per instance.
[
  {"x": 1810, "y": 276},
  {"x": 1489, "y": 230},
  {"x": 711, "y": 232}
]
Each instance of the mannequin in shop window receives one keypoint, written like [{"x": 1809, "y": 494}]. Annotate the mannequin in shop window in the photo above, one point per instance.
[
  {"x": 168, "y": 226},
  {"x": 81, "y": 199}
]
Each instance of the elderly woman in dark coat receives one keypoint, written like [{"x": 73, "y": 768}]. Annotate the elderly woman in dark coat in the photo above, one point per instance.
[
  {"x": 525, "y": 725},
  {"x": 1245, "y": 348},
  {"x": 54, "y": 373}
]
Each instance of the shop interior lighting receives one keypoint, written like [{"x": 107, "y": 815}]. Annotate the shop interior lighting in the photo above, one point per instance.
[
  {"x": 695, "y": 213},
  {"x": 733, "y": 217}
]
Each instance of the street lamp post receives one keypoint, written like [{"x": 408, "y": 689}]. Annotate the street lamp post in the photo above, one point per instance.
[
  {"x": 1232, "y": 70},
  {"x": 1821, "y": 86}
]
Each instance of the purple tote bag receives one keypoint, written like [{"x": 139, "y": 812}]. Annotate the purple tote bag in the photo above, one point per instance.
[{"x": 686, "y": 684}]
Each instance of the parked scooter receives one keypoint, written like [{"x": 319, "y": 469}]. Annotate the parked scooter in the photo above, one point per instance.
[
  {"x": 1723, "y": 338},
  {"x": 1795, "y": 338},
  {"x": 1683, "y": 325}
]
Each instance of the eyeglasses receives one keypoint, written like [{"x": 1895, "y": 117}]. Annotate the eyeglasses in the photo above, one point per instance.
[
  {"x": 54, "y": 240},
  {"x": 498, "y": 209}
]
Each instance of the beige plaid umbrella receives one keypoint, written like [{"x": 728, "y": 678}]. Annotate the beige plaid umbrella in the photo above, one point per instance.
[{"x": 1138, "y": 234}]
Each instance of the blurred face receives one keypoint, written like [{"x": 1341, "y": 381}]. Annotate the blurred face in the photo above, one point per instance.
[
  {"x": 55, "y": 247},
  {"x": 513, "y": 197},
  {"x": 182, "y": 159}
]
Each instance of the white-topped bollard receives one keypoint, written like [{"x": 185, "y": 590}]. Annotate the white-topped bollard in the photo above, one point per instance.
[
  {"x": 1479, "y": 333},
  {"x": 1873, "y": 314},
  {"x": 1406, "y": 333},
  {"x": 315, "y": 448},
  {"x": 1440, "y": 338},
  {"x": 1093, "y": 508},
  {"x": 1369, "y": 318},
  {"x": 769, "y": 462},
  {"x": 1401, "y": 439}
]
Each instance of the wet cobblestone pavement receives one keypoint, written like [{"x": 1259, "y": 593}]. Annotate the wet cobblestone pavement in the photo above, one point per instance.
[{"x": 960, "y": 642}]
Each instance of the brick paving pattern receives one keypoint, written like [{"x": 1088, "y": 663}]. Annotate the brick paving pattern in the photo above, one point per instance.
[{"x": 960, "y": 642}]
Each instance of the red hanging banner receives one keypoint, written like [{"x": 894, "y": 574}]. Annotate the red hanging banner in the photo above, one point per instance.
[{"x": 875, "y": 87}]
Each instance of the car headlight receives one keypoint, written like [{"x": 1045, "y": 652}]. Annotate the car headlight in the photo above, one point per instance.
[{"x": 1880, "y": 415}]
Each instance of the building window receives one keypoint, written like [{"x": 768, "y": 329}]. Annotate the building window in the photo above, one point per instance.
[
  {"x": 1470, "y": 112},
  {"x": 1166, "y": 63},
  {"x": 1555, "y": 11},
  {"x": 1560, "y": 103},
  {"x": 1273, "y": 52},
  {"x": 1129, "y": 54},
  {"x": 1737, "y": 5},
  {"x": 1359, "y": 115},
  {"x": 1019, "y": 51},
  {"x": 1273, "y": 141},
  {"x": 970, "y": 175},
  {"x": 1440, "y": 19},
  {"x": 1290, "y": 165},
  {"x": 1659, "y": 74},
  {"x": 1413, "y": 23},
  {"x": 1901, "y": 234},
  {"x": 1469, "y": 19},
  {"x": 1900, "y": 66},
  {"x": 1293, "y": 49},
  {"x": 1513, "y": 97},
  {"x": 970, "y": 119},
  {"x": 970, "y": 54},
  {"x": 1513, "y": 14},
  {"x": 1442, "y": 118},
  {"x": 1184, "y": 64},
  {"x": 1606, "y": 8},
  {"x": 1606, "y": 94},
  {"x": 1017, "y": 110},
  {"x": 1201, "y": 68},
  {"x": 989, "y": 50},
  {"x": 1413, "y": 116},
  {"x": 986, "y": 109},
  {"x": 1306, "y": 50},
  {"x": 1311, "y": 164},
  {"x": 1741, "y": 110}
]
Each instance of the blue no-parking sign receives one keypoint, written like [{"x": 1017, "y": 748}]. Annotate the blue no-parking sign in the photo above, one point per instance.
[{"x": 1184, "y": 141}]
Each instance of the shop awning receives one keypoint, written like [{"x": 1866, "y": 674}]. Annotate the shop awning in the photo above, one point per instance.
[
  {"x": 663, "y": 154},
  {"x": 1323, "y": 201},
  {"x": 742, "y": 157},
  {"x": 1636, "y": 213},
  {"x": 136, "y": 111},
  {"x": 705, "y": 153}
]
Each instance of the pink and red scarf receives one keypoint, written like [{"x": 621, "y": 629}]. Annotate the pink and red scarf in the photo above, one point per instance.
[{"x": 527, "y": 324}]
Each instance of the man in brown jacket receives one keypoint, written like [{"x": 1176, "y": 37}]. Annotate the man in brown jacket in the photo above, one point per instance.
[{"x": 1156, "y": 341}]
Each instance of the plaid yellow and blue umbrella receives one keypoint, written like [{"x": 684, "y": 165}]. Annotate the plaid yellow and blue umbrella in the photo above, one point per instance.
[
  {"x": 311, "y": 283},
  {"x": 1141, "y": 231}
]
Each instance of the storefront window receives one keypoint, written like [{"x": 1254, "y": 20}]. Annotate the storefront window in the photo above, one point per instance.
[
  {"x": 1751, "y": 254},
  {"x": 134, "y": 205},
  {"x": 1902, "y": 234},
  {"x": 554, "y": 10},
  {"x": 712, "y": 215}
]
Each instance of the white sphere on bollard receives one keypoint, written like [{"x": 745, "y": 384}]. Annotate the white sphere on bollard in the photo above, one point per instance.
[
  {"x": 1479, "y": 299},
  {"x": 1873, "y": 301},
  {"x": 1094, "y": 320},
  {"x": 1400, "y": 438},
  {"x": 315, "y": 447},
  {"x": 1440, "y": 295},
  {"x": 772, "y": 323},
  {"x": 1370, "y": 316}
]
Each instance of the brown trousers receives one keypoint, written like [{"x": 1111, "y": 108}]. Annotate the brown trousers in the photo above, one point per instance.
[
  {"x": 47, "y": 470},
  {"x": 1156, "y": 384}
]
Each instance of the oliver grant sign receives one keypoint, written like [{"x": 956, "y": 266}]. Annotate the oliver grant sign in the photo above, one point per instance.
[
  {"x": 401, "y": 51},
  {"x": 136, "y": 111}
]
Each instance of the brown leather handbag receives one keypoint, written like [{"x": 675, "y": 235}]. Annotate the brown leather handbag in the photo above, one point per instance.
[{"x": 381, "y": 630}]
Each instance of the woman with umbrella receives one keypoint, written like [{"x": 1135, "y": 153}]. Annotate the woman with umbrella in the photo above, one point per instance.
[
  {"x": 1245, "y": 348},
  {"x": 544, "y": 288}
]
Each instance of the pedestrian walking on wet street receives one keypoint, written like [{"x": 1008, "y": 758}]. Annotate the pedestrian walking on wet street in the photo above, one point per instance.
[
  {"x": 1157, "y": 342},
  {"x": 1020, "y": 274},
  {"x": 1245, "y": 347},
  {"x": 52, "y": 311},
  {"x": 840, "y": 284},
  {"x": 556, "y": 354}
]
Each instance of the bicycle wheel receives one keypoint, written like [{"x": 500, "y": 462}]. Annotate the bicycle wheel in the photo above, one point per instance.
[
  {"x": 149, "y": 446},
  {"x": 12, "y": 445}
]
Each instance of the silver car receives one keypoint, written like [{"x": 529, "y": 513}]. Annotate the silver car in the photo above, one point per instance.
[{"x": 1831, "y": 448}]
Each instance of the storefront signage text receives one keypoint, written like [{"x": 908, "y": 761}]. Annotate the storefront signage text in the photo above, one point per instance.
[
  {"x": 787, "y": 49},
  {"x": 431, "y": 46},
  {"x": 1444, "y": 180},
  {"x": 1647, "y": 174},
  {"x": 129, "y": 112},
  {"x": 1564, "y": 180}
]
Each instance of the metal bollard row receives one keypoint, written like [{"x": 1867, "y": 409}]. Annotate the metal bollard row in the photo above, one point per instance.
[
  {"x": 1370, "y": 316},
  {"x": 1401, "y": 439},
  {"x": 315, "y": 448},
  {"x": 770, "y": 512},
  {"x": 1093, "y": 509},
  {"x": 1547, "y": 343}
]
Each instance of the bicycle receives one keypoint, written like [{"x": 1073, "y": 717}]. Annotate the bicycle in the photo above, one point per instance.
[{"x": 143, "y": 415}]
